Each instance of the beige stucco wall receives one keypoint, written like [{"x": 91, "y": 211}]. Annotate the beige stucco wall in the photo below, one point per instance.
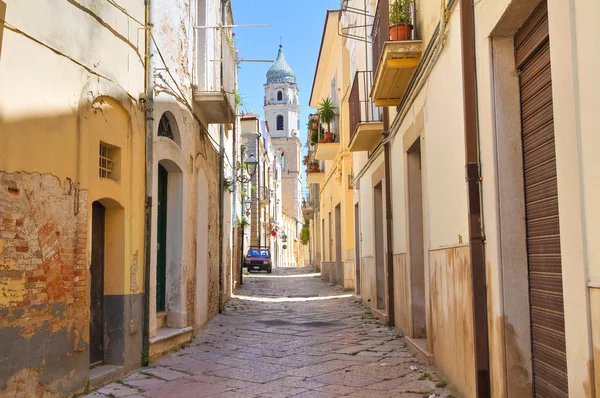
[{"x": 60, "y": 98}]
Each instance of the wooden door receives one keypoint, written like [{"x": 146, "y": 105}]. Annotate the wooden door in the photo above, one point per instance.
[
  {"x": 97, "y": 287},
  {"x": 161, "y": 244},
  {"x": 532, "y": 53}
]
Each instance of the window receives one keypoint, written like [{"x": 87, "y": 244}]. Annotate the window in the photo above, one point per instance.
[
  {"x": 164, "y": 127},
  {"x": 279, "y": 96},
  {"x": 108, "y": 161},
  {"x": 279, "y": 122},
  {"x": 282, "y": 160}
]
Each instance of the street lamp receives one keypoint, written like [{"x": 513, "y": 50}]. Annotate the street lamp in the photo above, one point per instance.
[{"x": 250, "y": 164}]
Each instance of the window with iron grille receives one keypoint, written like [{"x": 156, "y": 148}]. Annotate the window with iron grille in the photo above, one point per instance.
[
  {"x": 164, "y": 127},
  {"x": 280, "y": 122},
  {"x": 108, "y": 160}
]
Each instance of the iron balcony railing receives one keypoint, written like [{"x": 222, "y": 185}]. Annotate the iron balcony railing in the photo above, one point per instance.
[
  {"x": 362, "y": 108},
  {"x": 381, "y": 24}
]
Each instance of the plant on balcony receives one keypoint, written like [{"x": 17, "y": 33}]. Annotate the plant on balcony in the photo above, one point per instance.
[
  {"x": 400, "y": 20},
  {"x": 314, "y": 137},
  {"x": 305, "y": 232},
  {"x": 305, "y": 160},
  {"x": 313, "y": 167},
  {"x": 327, "y": 115}
]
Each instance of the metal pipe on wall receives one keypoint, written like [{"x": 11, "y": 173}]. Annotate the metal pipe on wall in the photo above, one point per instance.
[
  {"x": 388, "y": 217},
  {"x": 221, "y": 171},
  {"x": 473, "y": 177},
  {"x": 149, "y": 109}
]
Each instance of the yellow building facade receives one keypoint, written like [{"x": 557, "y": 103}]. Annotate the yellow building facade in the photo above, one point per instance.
[
  {"x": 72, "y": 161},
  {"x": 336, "y": 223}
]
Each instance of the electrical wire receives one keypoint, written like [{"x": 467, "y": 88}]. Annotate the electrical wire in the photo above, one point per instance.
[{"x": 181, "y": 94}]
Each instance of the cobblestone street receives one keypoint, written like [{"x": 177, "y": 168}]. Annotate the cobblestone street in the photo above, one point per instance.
[{"x": 288, "y": 334}]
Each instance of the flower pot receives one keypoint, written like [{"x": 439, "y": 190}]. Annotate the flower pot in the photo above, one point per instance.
[
  {"x": 400, "y": 32},
  {"x": 313, "y": 168},
  {"x": 322, "y": 140},
  {"x": 328, "y": 137}
]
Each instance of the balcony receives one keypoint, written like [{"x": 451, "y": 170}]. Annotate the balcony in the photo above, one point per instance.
[
  {"x": 366, "y": 122},
  {"x": 396, "y": 60},
  {"x": 265, "y": 196},
  {"x": 328, "y": 150},
  {"x": 216, "y": 101},
  {"x": 314, "y": 173}
]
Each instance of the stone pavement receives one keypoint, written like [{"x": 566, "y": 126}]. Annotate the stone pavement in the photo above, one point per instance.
[{"x": 288, "y": 334}]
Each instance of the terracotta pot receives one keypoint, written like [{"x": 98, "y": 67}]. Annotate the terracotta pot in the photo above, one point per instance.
[
  {"x": 328, "y": 137},
  {"x": 322, "y": 140},
  {"x": 400, "y": 32},
  {"x": 312, "y": 168}
]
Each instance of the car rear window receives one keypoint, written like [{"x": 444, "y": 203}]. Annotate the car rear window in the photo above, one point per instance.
[{"x": 258, "y": 253}]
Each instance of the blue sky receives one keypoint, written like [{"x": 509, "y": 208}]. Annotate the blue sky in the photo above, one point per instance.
[{"x": 300, "y": 24}]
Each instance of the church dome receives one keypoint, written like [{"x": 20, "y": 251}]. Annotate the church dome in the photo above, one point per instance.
[{"x": 280, "y": 71}]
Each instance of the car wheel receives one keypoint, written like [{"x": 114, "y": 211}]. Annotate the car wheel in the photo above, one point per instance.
[{"x": 269, "y": 270}]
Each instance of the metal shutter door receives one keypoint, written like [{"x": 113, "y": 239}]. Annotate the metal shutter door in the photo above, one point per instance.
[{"x": 532, "y": 54}]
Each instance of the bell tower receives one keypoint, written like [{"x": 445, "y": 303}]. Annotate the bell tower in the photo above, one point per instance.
[{"x": 282, "y": 111}]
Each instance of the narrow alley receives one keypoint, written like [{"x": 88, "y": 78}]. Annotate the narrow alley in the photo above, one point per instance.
[{"x": 288, "y": 334}]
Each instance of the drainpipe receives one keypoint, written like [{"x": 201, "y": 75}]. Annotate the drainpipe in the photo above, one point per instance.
[
  {"x": 473, "y": 177},
  {"x": 149, "y": 88},
  {"x": 221, "y": 171},
  {"x": 388, "y": 216}
]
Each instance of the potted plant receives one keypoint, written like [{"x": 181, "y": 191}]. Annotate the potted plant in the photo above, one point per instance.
[
  {"x": 313, "y": 166},
  {"x": 327, "y": 114},
  {"x": 400, "y": 20},
  {"x": 305, "y": 160},
  {"x": 314, "y": 137}
]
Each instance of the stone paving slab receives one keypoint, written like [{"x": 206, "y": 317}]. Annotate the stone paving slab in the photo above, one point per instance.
[{"x": 288, "y": 334}]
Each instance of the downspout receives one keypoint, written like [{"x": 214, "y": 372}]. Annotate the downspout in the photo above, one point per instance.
[
  {"x": 149, "y": 88},
  {"x": 258, "y": 228},
  {"x": 473, "y": 177},
  {"x": 221, "y": 170},
  {"x": 388, "y": 216}
]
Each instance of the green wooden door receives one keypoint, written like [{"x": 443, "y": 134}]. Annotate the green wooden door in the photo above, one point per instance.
[{"x": 161, "y": 246}]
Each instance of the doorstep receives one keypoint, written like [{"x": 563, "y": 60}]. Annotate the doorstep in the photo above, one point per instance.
[
  {"x": 168, "y": 339},
  {"x": 104, "y": 374},
  {"x": 381, "y": 315},
  {"x": 419, "y": 346}
]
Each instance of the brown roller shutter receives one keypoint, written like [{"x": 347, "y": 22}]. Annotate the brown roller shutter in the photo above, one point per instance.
[{"x": 532, "y": 56}]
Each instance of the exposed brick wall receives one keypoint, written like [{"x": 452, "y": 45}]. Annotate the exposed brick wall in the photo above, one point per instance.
[{"x": 43, "y": 277}]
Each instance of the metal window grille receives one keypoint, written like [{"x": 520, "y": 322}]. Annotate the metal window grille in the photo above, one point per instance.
[
  {"x": 106, "y": 163},
  {"x": 164, "y": 128}
]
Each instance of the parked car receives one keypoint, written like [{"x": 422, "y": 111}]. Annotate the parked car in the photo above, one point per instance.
[{"x": 258, "y": 259}]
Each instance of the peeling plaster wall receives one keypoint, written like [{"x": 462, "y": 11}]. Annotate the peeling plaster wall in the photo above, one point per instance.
[
  {"x": 70, "y": 73},
  {"x": 44, "y": 304},
  {"x": 192, "y": 56}
]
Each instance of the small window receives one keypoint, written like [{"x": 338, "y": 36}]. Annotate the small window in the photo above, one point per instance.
[
  {"x": 164, "y": 127},
  {"x": 279, "y": 96},
  {"x": 279, "y": 122},
  {"x": 108, "y": 161},
  {"x": 282, "y": 160}
]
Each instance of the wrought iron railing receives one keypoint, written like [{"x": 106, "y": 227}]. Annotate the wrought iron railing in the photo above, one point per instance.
[
  {"x": 362, "y": 108},
  {"x": 380, "y": 31},
  {"x": 400, "y": 12}
]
